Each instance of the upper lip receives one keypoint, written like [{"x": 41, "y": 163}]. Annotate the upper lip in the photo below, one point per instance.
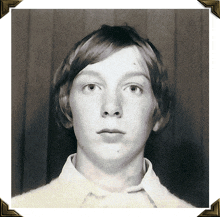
[{"x": 110, "y": 131}]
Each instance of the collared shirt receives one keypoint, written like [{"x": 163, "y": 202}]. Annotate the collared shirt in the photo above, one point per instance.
[{"x": 72, "y": 189}]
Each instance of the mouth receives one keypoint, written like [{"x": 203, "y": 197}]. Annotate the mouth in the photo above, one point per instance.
[
  {"x": 111, "y": 131},
  {"x": 111, "y": 136}
]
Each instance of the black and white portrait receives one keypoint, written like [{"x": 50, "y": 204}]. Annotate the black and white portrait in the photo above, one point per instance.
[{"x": 110, "y": 108}]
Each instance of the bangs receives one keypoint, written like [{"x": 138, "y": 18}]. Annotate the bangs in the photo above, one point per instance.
[{"x": 98, "y": 46}]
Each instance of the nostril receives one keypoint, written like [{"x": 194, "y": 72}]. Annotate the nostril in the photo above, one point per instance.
[{"x": 115, "y": 114}]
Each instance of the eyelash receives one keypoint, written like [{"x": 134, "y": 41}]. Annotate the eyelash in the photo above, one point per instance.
[
  {"x": 136, "y": 87},
  {"x": 87, "y": 87}
]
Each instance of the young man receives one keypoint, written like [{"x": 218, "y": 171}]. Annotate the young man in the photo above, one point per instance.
[{"x": 112, "y": 89}]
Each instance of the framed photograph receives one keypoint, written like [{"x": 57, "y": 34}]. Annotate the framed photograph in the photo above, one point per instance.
[{"x": 55, "y": 113}]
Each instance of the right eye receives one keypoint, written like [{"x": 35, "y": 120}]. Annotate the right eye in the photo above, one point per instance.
[{"x": 90, "y": 88}]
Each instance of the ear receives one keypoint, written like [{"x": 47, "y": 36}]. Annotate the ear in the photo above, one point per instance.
[
  {"x": 66, "y": 110},
  {"x": 161, "y": 122}
]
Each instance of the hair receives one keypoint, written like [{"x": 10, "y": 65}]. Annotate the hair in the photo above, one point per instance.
[{"x": 96, "y": 47}]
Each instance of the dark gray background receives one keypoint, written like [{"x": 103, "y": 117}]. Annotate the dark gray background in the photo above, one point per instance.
[{"x": 40, "y": 41}]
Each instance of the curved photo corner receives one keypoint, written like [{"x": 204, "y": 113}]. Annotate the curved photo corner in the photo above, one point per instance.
[{"x": 5, "y": 5}]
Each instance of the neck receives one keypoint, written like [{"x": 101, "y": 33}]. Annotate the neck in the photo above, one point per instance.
[{"x": 111, "y": 175}]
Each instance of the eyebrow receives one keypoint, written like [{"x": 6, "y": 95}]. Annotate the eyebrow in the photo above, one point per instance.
[
  {"x": 89, "y": 72},
  {"x": 134, "y": 74},
  {"x": 127, "y": 75}
]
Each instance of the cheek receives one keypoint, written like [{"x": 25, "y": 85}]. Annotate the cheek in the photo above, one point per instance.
[
  {"x": 144, "y": 110},
  {"x": 84, "y": 112},
  {"x": 144, "y": 119}
]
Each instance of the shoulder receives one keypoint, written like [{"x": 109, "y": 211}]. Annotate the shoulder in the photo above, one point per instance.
[
  {"x": 161, "y": 196},
  {"x": 40, "y": 197},
  {"x": 165, "y": 199},
  {"x": 172, "y": 201},
  {"x": 62, "y": 192},
  {"x": 57, "y": 194}
]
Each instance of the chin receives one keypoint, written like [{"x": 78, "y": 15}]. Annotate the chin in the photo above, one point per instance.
[{"x": 108, "y": 152}]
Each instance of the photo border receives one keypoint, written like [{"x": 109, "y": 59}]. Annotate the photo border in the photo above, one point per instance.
[{"x": 214, "y": 159}]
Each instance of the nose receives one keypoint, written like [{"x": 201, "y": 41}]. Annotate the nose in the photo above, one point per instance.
[{"x": 112, "y": 106}]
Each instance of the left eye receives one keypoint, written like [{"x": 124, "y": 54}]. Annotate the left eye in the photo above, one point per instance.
[
  {"x": 89, "y": 88},
  {"x": 134, "y": 89}
]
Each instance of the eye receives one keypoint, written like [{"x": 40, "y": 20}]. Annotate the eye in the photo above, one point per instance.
[
  {"x": 134, "y": 89},
  {"x": 89, "y": 88}
]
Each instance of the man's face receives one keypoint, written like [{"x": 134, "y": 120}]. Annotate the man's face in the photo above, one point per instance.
[{"x": 112, "y": 104}]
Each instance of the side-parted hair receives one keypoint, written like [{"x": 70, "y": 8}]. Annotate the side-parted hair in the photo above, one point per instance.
[{"x": 96, "y": 47}]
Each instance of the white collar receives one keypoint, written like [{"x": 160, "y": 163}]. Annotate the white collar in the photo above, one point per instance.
[
  {"x": 70, "y": 174},
  {"x": 158, "y": 195}
]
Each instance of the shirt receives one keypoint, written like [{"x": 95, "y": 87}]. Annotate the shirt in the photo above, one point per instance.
[{"x": 71, "y": 189}]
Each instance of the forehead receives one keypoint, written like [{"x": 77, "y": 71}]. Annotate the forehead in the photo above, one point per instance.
[{"x": 124, "y": 61}]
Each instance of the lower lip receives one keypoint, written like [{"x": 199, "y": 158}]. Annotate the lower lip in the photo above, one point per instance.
[{"x": 111, "y": 137}]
